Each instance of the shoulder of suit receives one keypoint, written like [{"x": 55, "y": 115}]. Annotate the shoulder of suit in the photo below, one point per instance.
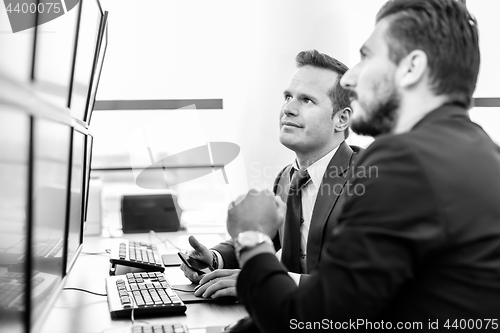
[
  {"x": 279, "y": 178},
  {"x": 356, "y": 151},
  {"x": 280, "y": 174}
]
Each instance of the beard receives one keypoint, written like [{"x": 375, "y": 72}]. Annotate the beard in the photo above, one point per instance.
[{"x": 380, "y": 115}]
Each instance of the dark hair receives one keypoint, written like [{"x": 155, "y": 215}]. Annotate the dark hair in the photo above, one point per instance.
[
  {"x": 338, "y": 95},
  {"x": 446, "y": 32}
]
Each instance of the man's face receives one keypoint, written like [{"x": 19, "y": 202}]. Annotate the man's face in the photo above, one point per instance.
[
  {"x": 306, "y": 123},
  {"x": 375, "y": 99}
]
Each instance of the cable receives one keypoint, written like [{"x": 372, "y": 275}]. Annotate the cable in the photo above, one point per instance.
[
  {"x": 5, "y": 249},
  {"x": 97, "y": 253},
  {"x": 133, "y": 308},
  {"x": 85, "y": 291},
  {"x": 134, "y": 304},
  {"x": 165, "y": 240}
]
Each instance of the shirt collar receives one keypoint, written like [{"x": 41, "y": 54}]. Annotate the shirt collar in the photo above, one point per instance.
[{"x": 317, "y": 169}]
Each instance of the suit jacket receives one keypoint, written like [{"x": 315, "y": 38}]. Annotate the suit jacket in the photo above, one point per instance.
[
  {"x": 421, "y": 243},
  {"x": 327, "y": 207}
]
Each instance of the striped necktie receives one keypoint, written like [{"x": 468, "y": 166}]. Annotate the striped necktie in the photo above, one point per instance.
[{"x": 292, "y": 239}]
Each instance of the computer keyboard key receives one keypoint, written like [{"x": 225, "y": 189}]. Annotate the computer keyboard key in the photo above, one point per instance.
[
  {"x": 136, "y": 254},
  {"x": 146, "y": 300}
]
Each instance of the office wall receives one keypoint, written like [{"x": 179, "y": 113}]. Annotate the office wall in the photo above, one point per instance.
[{"x": 240, "y": 51}]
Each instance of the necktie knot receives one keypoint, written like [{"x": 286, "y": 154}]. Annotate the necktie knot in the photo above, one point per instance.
[{"x": 299, "y": 179}]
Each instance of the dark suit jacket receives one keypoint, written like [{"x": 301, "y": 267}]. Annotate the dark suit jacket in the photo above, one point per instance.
[
  {"x": 421, "y": 243},
  {"x": 326, "y": 210}
]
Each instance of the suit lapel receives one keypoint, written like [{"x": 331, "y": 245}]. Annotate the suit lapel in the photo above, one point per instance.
[
  {"x": 330, "y": 188},
  {"x": 282, "y": 188}
]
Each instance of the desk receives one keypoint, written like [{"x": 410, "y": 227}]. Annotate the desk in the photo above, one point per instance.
[{"x": 79, "y": 312}]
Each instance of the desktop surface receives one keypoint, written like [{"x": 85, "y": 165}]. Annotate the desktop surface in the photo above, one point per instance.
[{"x": 79, "y": 312}]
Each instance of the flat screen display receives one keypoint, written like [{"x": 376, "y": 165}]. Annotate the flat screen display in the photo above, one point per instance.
[
  {"x": 88, "y": 32},
  {"x": 14, "y": 170},
  {"x": 98, "y": 69},
  {"x": 51, "y": 154},
  {"x": 88, "y": 167},
  {"x": 75, "y": 216},
  {"x": 17, "y": 63},
  {"x": 54, "y": 54}
]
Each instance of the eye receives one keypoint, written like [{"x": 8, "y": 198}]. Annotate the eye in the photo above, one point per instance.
[
  {"x": 287, "y": 97},
  {"x": 306, "y": 101}
]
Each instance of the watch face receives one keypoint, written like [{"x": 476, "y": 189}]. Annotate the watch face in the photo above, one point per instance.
[{"x": 248, "y": 238}]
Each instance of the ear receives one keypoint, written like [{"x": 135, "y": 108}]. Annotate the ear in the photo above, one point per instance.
[
  {"x": 344, "y": 118},
  {"x": 412, "y": 68}
]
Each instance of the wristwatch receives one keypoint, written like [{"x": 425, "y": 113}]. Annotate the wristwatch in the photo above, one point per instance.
[{"x": 248, "y": 240}]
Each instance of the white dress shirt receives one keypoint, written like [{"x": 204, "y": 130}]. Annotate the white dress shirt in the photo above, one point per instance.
[{"x": 309, "y": 193}]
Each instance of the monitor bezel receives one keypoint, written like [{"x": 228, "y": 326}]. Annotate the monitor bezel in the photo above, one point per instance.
[
  {"x": 96, "y": 72},
  {"x": 75, "y": 56},
  {"x": 68, "y": 263}
]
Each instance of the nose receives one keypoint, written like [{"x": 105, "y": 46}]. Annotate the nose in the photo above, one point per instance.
[
  {"x": 290, "y": 107},
  {"x": 348, "y": 80}
]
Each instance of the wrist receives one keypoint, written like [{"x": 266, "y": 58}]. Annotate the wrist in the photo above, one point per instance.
[
  {"x": 215, "y": 260},
  {"x": 259, "y": 249},
  {"x": 248, "y": 240}
]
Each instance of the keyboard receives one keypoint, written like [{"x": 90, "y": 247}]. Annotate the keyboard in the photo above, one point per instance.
[
  {"x": 12, "y": 288},
  {"x": 41, "y": 250},
  {"x": 149, "y": 293},
  {"x": 166, "y": 328},
  {"x": 136, "y": 254}
]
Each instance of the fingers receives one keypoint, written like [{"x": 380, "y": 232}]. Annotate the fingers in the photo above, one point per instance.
[
  {"x": 190, "y": 274},
  {"x": 217, "y": 286},
  {"x": 281, "y": 206},
  {"x": 197, "y": 246},
  {"x": 225, "y": 293},
  {"x": 218, "y": 274},
  {"x": 279, "y": 202}
]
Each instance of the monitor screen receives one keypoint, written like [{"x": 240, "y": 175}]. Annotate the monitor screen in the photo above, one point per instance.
[
  {"x": 88, "y": 166},
  {"x": 17, "y": 63},
  {"x": 54, "y": 54},
  {"x": 88, "y": 32},
  {"x": 51, "y": 155},
  {"x": 75, "y": 215},
  {"x": 14, "y": 170},
  {"x": 103, "y": 45}
]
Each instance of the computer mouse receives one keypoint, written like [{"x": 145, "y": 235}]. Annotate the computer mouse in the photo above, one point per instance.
[{"x": 244, "y": 325}]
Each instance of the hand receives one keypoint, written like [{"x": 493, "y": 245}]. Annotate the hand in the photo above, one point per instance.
[
  {"x": 201, "y": 253},
  {"x": 219, "y": 283},
  {"x": 259, "y": 211}
]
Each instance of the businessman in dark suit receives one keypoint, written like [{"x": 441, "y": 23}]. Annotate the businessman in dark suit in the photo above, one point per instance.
[
  {"x": 420, "y": 248},
  {"x": 314, "y": 124}
]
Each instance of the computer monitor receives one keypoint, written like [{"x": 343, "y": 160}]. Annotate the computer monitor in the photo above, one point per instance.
[
  {"x": 74, "y": 229},
  {"x": 88, "y": 34},
  {"x": 16, "y": 57},
  {"x": 54, "y": 53},
  {"x": 14, "y": 184},
  {"x": 101, "y": 52},
  {"x": 89, "y": 140},
  {"x": 50, "y": 178}
]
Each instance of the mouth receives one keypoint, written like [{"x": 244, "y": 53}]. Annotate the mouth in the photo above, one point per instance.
[{"x": 290, "y": 124}]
